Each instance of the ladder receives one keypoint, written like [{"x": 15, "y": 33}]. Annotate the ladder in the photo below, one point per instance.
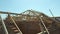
[
  {"x": 16, "y": 28},
  {"x": 10, "y": 28},
  {"x": 43, "y": 27}
]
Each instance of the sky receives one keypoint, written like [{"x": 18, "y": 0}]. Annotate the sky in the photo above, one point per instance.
[{"x": 19, "y": 6}]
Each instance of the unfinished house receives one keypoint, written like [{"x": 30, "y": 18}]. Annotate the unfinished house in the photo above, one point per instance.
[{"x": 29, "y": 22}]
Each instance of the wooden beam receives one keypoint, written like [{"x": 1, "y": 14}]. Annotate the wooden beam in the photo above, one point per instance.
[{"x": 1, "y": 12}]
